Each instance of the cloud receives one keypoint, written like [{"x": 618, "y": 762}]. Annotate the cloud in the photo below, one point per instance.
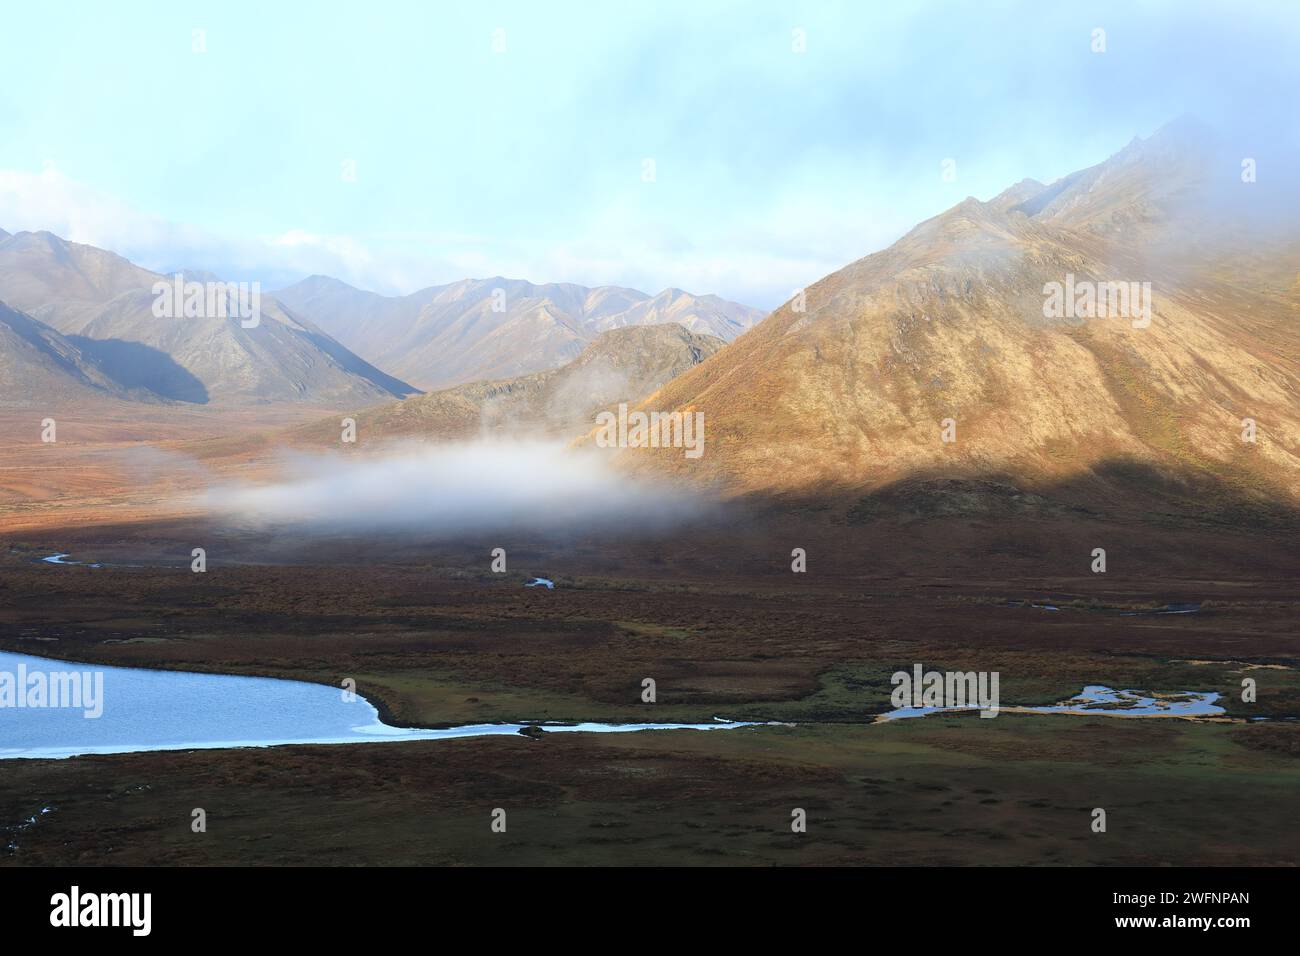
[
  {"x": 649, "y": 260},
  {"x": 50, "y": 200}
]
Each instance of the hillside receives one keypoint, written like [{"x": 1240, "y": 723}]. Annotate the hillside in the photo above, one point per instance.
[
  {"x": 622, "y": 365},
  {"x": 39, "y": 367},
  {"x": 103, "y": 304},
  {"x": 850, "y": 394}
]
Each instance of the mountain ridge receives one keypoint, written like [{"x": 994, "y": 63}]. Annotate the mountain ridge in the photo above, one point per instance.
[
  {"x": 950, "y": 323},
  {"x": 105, "y": 304},
  {"x": 620, "y": 365},
  {"x": 475, "y": 329},
  {"x": 38, "y": 363}
]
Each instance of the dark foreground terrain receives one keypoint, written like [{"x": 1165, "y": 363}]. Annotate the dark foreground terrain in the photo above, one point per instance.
[
  {"x": 1015, "y": 790},
  {"x": 725, "y": 629}
]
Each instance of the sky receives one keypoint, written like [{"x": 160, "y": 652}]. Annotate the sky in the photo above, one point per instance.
[{"x": 742, "y": 149}]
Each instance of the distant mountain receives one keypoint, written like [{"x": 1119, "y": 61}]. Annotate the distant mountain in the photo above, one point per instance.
[
  {"x": 706, "y": 314},
  {"x": 621, "y": 365},
  {"x": 103, "y": 304},
  {"x": 849, "y": 389},
  {"x": 493, "y": 328}
]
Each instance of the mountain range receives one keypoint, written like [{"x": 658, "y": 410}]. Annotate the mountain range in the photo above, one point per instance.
[
  {"x": 1135, "y": 318},
  {"x": 102, "y": 306},
  {"x": 92, "y": 313},
  {"x": 496, "y": 328}
]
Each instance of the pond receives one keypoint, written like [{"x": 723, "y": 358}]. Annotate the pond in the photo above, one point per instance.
[{"x": 50, "y": 708}]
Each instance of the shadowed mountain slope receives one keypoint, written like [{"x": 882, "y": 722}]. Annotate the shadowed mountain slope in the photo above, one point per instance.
[
  {"x": 104, "y": 304},
  {"x": 39, "y": 367}
]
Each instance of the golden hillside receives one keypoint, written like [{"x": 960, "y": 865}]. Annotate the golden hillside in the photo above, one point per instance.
[{"x": 949, "y": 323}]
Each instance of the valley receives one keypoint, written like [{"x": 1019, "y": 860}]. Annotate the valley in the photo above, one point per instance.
[
  {"x": 433, "y": 638},
  {"x": 918, "y": 463}
]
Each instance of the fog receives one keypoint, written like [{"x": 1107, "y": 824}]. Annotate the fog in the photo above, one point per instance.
[{"x": 470, "y": 486}]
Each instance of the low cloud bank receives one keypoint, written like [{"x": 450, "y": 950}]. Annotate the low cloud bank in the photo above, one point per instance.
[{"x": 474, "y": 486}]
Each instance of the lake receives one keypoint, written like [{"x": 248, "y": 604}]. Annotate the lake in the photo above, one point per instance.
[{"x": 181, "y": 710}]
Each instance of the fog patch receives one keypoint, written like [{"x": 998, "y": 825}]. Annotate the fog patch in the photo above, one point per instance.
[
  {"x": 587, "y": 390},
  {"x": 457, "y": 487}
]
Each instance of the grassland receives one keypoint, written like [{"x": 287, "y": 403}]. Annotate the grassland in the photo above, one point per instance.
[
  {"x": 943, "y": 791},
  {"x": 433, "y": 638}
]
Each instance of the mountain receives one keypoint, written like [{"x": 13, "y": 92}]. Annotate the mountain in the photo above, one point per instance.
[
  {"x": 956, "y": 321},
  {"x": 495, "y": 328},
  {"x": 621, "y": 365},
  {"x": 706, "y": 314},
  {"x": 103, "y": 305},
  {"x": 38, "y": 365},
  {"x": 63, "y": 284}
]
